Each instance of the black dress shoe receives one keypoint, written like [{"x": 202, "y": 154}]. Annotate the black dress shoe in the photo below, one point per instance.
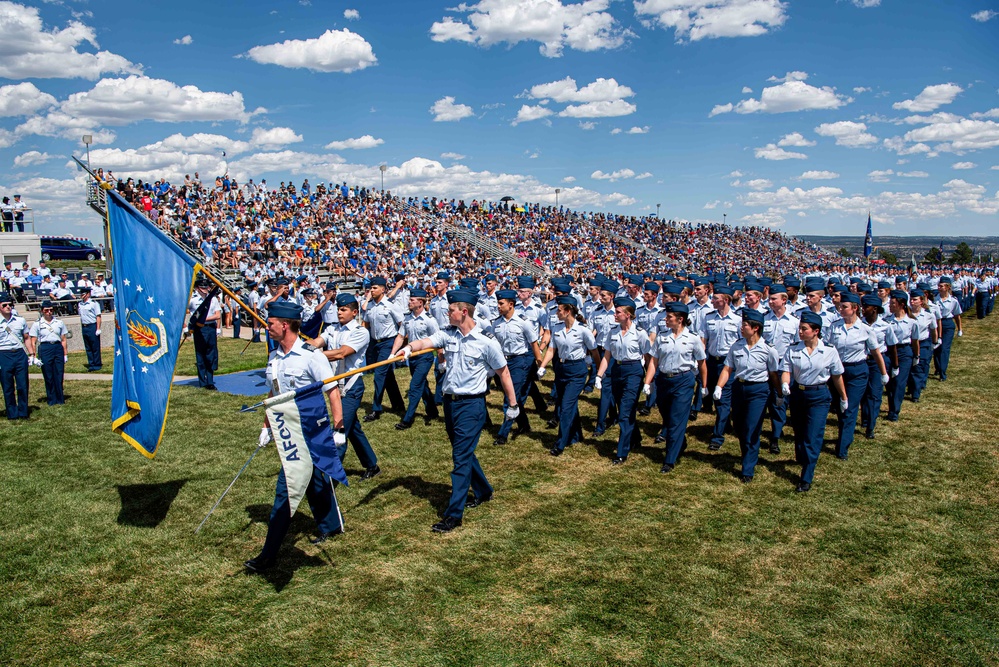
[
  {"x": 552, "y": 423},
  {"x": 428, "y": 420},
  {"x": 842, "y": 457},
  {"x": 521, "y": 431},
  {"x": 259, "y": 564},
  {"x": 597, "y": 432},
  {"x": 667, "y": 467},
  {"x": 774, "y": 447},
  {"x": 693, "y": 416},
  {"x": 370, "y": 472},
  {"x": 372, "y": 416},
  {"x": 402, "y": 426},
  {"x": 659, "y": 439},
  {"x": 475, "y": 502},
  {"x": 211, "y": 387},
  {"x": 643, "y": 411},
  {"x": 746, "y": 479},
  {"x": 499, "y": 441},
  {"x": 713, "y": 447},
  {"x": 322, "y": 537},
  {"x": 804, "y": 487},
  {"x": 869, "y": 435},
  {"x": 617, "y": 460},
  {"x": 446, "y": 525},
  {"x": 555, "y": 451}
]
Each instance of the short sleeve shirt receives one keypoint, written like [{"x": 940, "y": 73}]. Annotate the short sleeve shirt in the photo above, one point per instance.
[
  {"x": 812, "y": 369},
  {"x": 48, "y": 332},
  {"x": 678, "y": 354},
  {"x": 752, "y": 364},
  {"x": 469, "y": 357},
  {"x": 572, "y": 344},
  {"x": 297, "y": 368}
]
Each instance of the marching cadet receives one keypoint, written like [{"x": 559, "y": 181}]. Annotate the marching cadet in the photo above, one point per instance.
[
  {"x": 929, "y": 341},
  {"x": 855, "y": 342},
  {"x": 382, "y": 319},
  {"x": 90, "y": 320},
  {"x": 417, "y": 324},
  {"x": 876, "y": 375},
  {"x": 780, "y": 330},
  {"x": 626, "y": 346},
  {"x": 752, "y": 365},
  {"x": 15, "y": 348},
  {"x": 292, "y": 366},
  {"x": 572, "y": 342},
  {"x": 603, "y": 320},
  {"x": 647, "y": 318},
  {"x": 345, "y": 344},
  {"x": 719, "y": 331},
  {"x": 206, "y": 347},
  {"x": 905, "y": 334},
  {"x": 438, "y": 310},
  {"x": 950, "y": 321},
  {"x": 519, "y": 340},
  {"x": 48, "y": 337},
  {"x": 533, "y": 312},
  {"x": 806, "y": 371},
  {"x": 327, "y": 306},
  {"x": 677, "y": 358},
  {"x": 470, "y": 355}
]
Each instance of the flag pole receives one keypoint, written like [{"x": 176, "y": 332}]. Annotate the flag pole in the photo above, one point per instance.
[{"x": 217, "y": 502}]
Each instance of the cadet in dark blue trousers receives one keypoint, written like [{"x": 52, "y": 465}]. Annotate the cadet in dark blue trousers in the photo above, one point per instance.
[
  {"x": 752, "y": 366},
  {"x": 417, "y": 324},
  {"x": 90, "y": 322},
  {"x": 519, "y": 340},
  {"x": 905, "y": 333},
  {"x": 205, "y": 333},
  {"x": 15, "y": 348},
  {"x": 927, "y": 334},
  {"x": 877, "y": 380},
  {"x": 382, "y": 319},
  {"x": 469, "y": 355},
  {"x": 806, "y": 371},
  {"x": 950, "y": 322},
  {"x": 603, "y": 320},
  {"x": 48, "y": 337},
  {"x": 719, "y": 331}
]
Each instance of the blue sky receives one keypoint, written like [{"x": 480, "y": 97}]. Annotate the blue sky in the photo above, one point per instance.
[{"x": 801, "y": 115}]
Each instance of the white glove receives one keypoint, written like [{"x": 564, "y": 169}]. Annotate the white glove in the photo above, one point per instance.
[
  {"x": 541, "y": 372},
  {"x": 844, "y": 404},
  {"x": 646, "y": 390},
  {"x": 442, "y": 366},
  {"x": 97, "y": 332},
  {"x": 405, "y": 352},
  {"x": 31, "y": 360},
  {"x": 937, "y": 344},
  {"x": 704, "y": 392},
  {"x": 512, "y": 412},
  {"x": 717, "y": 393},
  {"x": 598, "y": 383},
  {"x": 785, "y": 389},
  {"x": 265, "y": 437},
  {"x": 894, "y": 372},
  {"x": 885, "y": 379},
  {"x": 960, "y": 333},
  {"x": 339, "y": 438},
  {"x": 65, "y": 358}
]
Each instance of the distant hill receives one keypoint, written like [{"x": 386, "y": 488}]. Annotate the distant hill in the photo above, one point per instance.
[{"x": 906, "y": 246}]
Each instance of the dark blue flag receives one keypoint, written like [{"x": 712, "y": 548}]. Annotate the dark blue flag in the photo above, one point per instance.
[{"x": 869, "y": 238}]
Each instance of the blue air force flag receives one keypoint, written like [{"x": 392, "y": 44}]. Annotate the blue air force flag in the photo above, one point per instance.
[
  {"x": 152, "y": 280},
  {"x": 301, "y": 428},
  {"x": 868, "y": 238}
]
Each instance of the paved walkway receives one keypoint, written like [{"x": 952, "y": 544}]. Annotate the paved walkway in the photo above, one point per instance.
[{"x": 107, "y": 377}]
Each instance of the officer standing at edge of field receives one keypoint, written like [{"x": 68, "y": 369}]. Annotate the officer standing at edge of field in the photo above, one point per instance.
[
  {"x": 469, "y": 355},
  {"x": 291, "y": 366},
  {"x": 48, "y": 337},
  {"x": 90, "y": 321},
  {"x": 15, "y": 346},
  {"x": 206, "y": 346}
]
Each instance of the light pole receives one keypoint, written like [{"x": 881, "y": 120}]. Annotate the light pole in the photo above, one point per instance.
[
  {"x": 657, "y": 210},
  {"x": 557, "y": 190},
  {"x": 724, "y": 218},
  {"x": 382, "y": 169},
  {"x": 88, "y": 139}
]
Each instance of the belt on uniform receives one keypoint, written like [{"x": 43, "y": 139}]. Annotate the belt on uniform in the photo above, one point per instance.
[
  {"x": 740, "y": 380},
  {"x": 464, "y": 397},
  {"x": 515, "y": 356},
  {"x": 571, "y": 361},
  {"x": 714, "y": 358},
  {"x": 51, "y": 342},
  {"x": 855, "y": 363},
  {"x": 806, "y": 387},
  {"x": 631, "y": 362},
  {"x": 673, "y": 375},
  {"x": 382, "y": 340}
]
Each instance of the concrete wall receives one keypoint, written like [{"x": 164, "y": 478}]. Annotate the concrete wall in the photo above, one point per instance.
[{"x": 19, "y": 247}]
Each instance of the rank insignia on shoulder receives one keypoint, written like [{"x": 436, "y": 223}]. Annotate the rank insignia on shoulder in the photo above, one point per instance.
[{"x": 310, "y": 347}]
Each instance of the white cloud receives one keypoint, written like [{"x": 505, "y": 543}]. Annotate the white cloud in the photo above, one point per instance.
[
  {"x": 445, "y": 110},
  {"x": 746, "y": 90},
  {"x": 693, "y": 20},
  {"x": 712, "y": 204},
  {"x": 643, "y": 175},
  {"x": 22, "y": 99},
  {"x": 790, "y": 76},
  {"x": 865, "y": 4},
  {"x": 963, "y": 165},
  {"x": 991, "y": 113},
  {"x": 566, "y": 90},
  {"x": 28, "y": 51},
  {"x": 587, "y": 125},
  {"x": 31, "y": 158},
  {"x": 569, "y": 179},
  {"x": 931, "y": 98},
  {"x": 621, "y": 199},
  {"x": 818, "y": 176},
  {"x": 861, "y": 89},
  {"x": 351, "y": 14},
  {"x": 985, "y": 15},
  {"x": 599, "y": 109},
  {"x": 613, "y": 176},
  {"x": 913, "y": 174},
  {"x": 881, "y": 176},
  {"x": 735, "y": 174},
  {"x": 792, "y": 95},
  {"x": 582, "y": 27},
  {"x": 529, "y": 112},
  {"x": 847, "y": 133},
  {"x": 617, "y": 130},
  {"x": 758, "y": 184},
  {"x": 360, "y": 143},
  {"x": 771, "y": 218},
  {"x": 955, "y": 136},
  {"x": 795, "y": 139},
  {"x": 773, "y": 152},
  {"x": 639, "y": 130},
  {"x": 452, "y": 156},
  {"x": 184, "y": 41},
  {"x": 333, "y": 51},
  {"x": 7, "y": 138},
  {"x": 274, "y": 137}
]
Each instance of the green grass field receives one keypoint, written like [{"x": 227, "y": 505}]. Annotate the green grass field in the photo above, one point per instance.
[{"x": 892, "y": 559}]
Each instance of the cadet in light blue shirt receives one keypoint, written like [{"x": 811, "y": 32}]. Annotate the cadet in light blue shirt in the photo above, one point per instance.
[
  {"x": 382, "y": 319},
  {"x": 48, "y": 336},
  {"x": 15, "y": 348},
  {"x": 719, "y": 331},
  {"x": 417, "y": 324},
  {"x": 519, "y": 340}
]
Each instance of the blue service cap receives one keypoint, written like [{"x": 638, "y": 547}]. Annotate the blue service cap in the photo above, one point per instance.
[
  {"x": 677, "y": 307},
  {"x": 884, "y": 284},
  {"x": 443, "y": 275},
  {"x": 611, "y": 286},
  {"x": 749, "y": 315},
  {"x": 651, "y": 287},
  {"x": 308, "y": 291},
  {"x": 624, "y": 301},
  {"x": 808, "y": 317},
  {"x": 301, "y": 278},
  {"x": 923, "y": 286},
  {"x": 463, "y": 296},
  {"x": 754, "y": 287},
  {"x": 490, "y": 276},
  {"x": 849, "y": 297},
  {"x": 526, "y": 282},
  {"x": 346, "y": 300},
  {"x": 840, "y": 287},
  {"x": 766, "y": 282},
  {"x": 724, "y": 289},
  {"x": 599, "y": 277},
  {"x": 792, "y": 281},
  {"x": 702, "y": 281},
  {"x": 418, "y": 293},
  {"x": 815, "y": 285},
  {"x": 5, "y": 297},
  {"x": 917, "y": 292},
  {"x": 286, "y": 310},
  {"x": 945, "y": 280},
  {"x": 899, "y": 295},
  {"x": 561, "y": 286},
  {"x": 864, "y": 288},
  {"x": 469, "y": 284},
  {"x": 506, "y": 294},
  {"x": 901, "y": 279},
  {"x": 737, "y": 286},
  {"x": 673, "y": 288},
  {"x": 659, "y": 277},
  {"x": 777, "y": 288},
  {"x": 872, "y": 301},
  {"x": 46, "y": 304},
  {"x": 331, "y": 286},
  {"x": 635, "y": 279},
  {"x": 566, "y": 300},
  {"x": 379, "y": 280}
]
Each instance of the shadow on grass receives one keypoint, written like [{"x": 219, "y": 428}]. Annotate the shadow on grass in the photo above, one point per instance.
[
  {"x": 146, "y": 505},
  {"x": 437, "y": 494},
  {"x": 290, "y": 557},
  {"x": 730, "y": 464}
]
